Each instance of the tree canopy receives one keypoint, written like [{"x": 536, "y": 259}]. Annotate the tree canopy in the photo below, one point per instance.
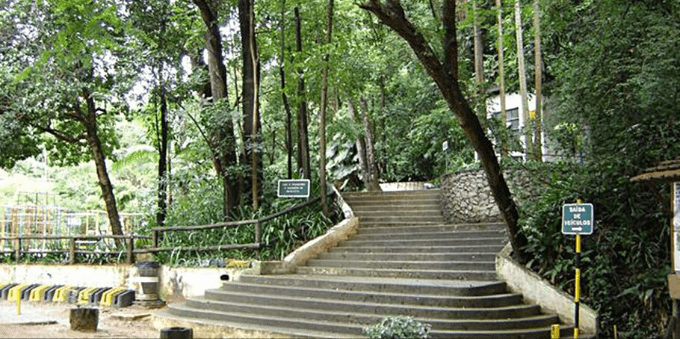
[{"x": 225, "y": 97}]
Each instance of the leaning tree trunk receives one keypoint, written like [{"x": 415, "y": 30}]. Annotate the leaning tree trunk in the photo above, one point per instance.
[
  {"x": 90, "y": 123},
  {"x": 446, "y": 79}
]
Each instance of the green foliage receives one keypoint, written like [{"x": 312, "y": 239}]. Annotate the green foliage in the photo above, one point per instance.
[
  {"x": 624, "y": 263},
  {"x": 398, "y": 327}
]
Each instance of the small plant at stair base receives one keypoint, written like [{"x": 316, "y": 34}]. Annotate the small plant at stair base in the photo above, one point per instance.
[{"x": 398, "y": 328}]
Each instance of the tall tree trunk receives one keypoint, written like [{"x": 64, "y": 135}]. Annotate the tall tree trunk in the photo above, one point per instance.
[
  {"x": 528, "y": 129},
  {"x": 322, "y": 113},
  {"x": 501, "y": 82},
  {"x": 251, "y": 117},
  {"x": 286, "y": 104},
  {"x": 373, "y": 181},
  {"x": 479, "y": 64},
  {"x": 361, "y": 145},
  {"x": 90, "y": 123},
  {"x": 224, "y": 140},
  {"x": 478, "y": 47},
  {"x": 393, "y": 16},
  {"x": 303, "y": 138},
  {"x": 162, "y": 152},
  {"x": 538, "y": 144}
]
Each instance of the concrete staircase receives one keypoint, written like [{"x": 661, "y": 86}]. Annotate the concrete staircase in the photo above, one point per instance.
[{"x": 405, "y": 260}]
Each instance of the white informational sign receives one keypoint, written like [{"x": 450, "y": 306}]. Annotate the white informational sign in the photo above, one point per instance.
[{"x": 676, "y": 225}]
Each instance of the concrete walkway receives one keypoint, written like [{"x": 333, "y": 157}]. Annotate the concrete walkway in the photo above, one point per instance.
[{"x": 30, "y": 314}]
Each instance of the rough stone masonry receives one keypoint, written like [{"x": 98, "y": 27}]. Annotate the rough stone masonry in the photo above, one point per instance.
[{"x": 467, "y": 197}]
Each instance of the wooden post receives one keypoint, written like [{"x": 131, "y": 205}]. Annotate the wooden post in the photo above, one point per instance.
[
  {"x": 72, "y": 251},
  {"x": 130, "y": 253},
  {"x": 18, "y": 249},
  {"x": 257, "y": 239},
  {"x": 84, "y": 319}
]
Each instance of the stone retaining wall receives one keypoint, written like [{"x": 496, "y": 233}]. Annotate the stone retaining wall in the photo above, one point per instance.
[{"x": 467, "y": 198}]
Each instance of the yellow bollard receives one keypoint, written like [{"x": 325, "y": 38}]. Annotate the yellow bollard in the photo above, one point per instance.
[
  {"x": 19, "y": 303},
  {"x": 555, "y": 331}
]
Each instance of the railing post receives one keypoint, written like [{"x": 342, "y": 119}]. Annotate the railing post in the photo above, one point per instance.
[
  {"x": 155, "y": 239},
  {"x": 72, "y": 251},
  {"x": 18, "y": 249},
  {"x": 130, "y": 253},
  {"x": 257, "y": 239}
]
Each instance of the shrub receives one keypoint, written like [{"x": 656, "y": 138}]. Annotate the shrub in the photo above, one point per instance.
[{"x": 397, "y": 328}]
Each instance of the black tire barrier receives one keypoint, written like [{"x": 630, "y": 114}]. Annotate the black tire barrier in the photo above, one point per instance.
[
  {"x": 123, "y": 299},
  {"x": 49, "y": 293},
  {"x": 5, "y": 290},
  {"x": 96, "y": 296},
  {"x": 177, "y": 333},
  {"x": 26, "y": 292}
]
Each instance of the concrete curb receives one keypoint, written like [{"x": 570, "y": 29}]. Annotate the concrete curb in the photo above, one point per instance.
[
  {"x": 536, "y": 290},
  {"x": 312, "y": 249}
]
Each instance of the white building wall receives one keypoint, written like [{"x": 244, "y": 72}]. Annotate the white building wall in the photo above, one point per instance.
[{"x": 512, "y": 101}]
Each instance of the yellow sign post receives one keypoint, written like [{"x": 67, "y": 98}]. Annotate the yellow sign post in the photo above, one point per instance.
[{"x": 577, "y": 219}]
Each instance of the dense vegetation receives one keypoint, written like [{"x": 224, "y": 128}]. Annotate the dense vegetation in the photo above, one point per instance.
[{"x": 128, "y": 88}]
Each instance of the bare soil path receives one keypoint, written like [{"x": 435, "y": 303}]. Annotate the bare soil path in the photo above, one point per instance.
[{"x": 47, "y": 320}]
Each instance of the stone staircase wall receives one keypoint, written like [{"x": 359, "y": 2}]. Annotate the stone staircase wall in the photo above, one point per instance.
[{"x": 467, "y": 198}]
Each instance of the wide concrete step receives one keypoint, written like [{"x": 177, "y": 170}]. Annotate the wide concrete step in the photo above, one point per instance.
[
  {"x": 409, "y": 234},
  {"x": 379, "y": 285},
  {"x": 387, "y": 206},
  {"x": 410, "y": 248},
  {"x": 402, "y": 219},
  {"x": 482, "y": 301},
  {"x": 423, "y": 256},
  {"x": 422, "y": 242},
  {"x": 233, "y": 302},
  {"x": 398, "y": 223},
  {"x": 312, "y": 323},
  {"x": 399, "y": 212},
  {"x": 406, "y": 265},
  {"x": 297, "y": 327},
  {"x": 365, "y": 319},
  {"x": 393, "y": 195},
  {"x": 429, "y": 228},
  {"x": 483, "y": 275}
]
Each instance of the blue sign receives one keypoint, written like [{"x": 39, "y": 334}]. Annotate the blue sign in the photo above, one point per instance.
[{"x": 577, "y": 219}]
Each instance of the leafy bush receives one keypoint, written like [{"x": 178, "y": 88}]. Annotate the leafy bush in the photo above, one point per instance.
[
  {"x": 624, "y": 262},
  {"x": 397, "y": 328}
]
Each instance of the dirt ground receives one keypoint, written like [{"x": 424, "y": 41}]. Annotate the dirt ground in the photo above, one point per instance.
[{"x": 52, "y": 321}]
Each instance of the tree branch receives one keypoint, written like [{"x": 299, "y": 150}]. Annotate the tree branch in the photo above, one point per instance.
[
  {"x": 392, "y": 15},
  {"x": 60, "y": 135}
]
